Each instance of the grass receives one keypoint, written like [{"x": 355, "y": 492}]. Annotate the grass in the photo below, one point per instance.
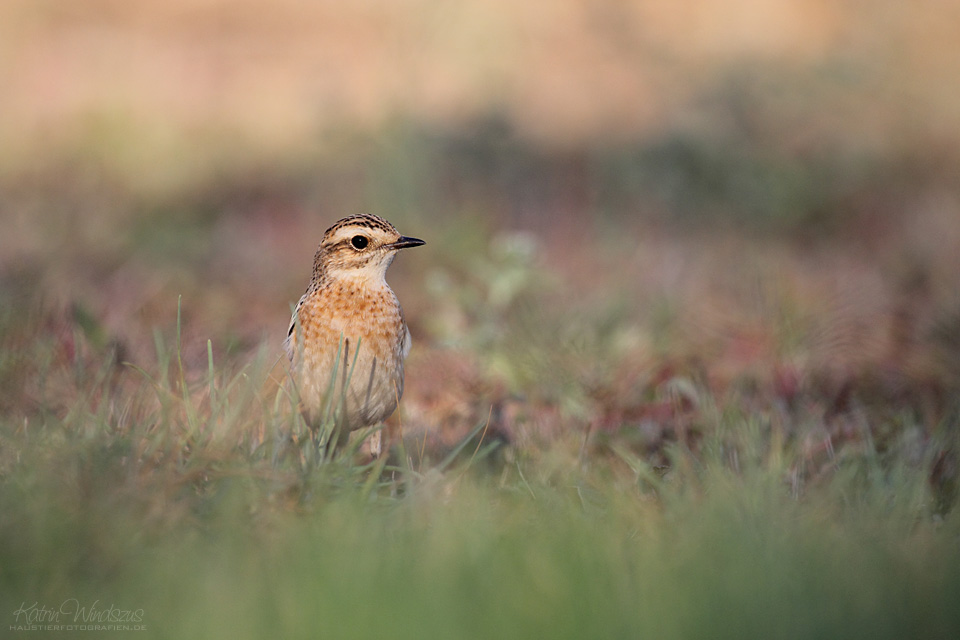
[{"x": 178, "y": 496}]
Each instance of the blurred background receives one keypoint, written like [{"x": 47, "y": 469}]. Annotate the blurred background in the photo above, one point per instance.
[{"x": 618, "y": 197}]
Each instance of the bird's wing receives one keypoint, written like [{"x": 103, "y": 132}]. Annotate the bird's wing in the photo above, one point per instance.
[
  {"x": 407, "y": 341},
  {"x": 288, "y": 342}
]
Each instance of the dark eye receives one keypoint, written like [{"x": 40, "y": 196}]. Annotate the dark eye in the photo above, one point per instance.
[{"x": 359, "y": 242}]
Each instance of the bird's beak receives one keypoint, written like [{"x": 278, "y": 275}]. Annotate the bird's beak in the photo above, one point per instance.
[{"x": 405, "y": 243}]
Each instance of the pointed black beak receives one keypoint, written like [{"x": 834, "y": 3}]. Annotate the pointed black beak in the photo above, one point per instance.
[{"x": 405, "y": 243}]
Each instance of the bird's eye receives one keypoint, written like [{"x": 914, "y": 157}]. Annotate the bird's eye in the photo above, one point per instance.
[{"x": 359, "y": 242}]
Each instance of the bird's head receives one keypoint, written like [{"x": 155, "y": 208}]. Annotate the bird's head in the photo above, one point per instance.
[{"x": 360, "y": 247}]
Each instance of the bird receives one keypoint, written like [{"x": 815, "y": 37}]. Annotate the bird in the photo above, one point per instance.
[{"x": 348, "y": 338}]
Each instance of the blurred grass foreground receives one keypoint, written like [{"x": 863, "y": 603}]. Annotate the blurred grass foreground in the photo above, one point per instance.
[{"x": 686, "y": 329}]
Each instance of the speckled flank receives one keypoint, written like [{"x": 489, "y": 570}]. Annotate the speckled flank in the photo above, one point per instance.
[{"x": 375, "y": 323}]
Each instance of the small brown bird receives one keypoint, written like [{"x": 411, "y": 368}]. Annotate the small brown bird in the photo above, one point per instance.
[{"x": 347, "y": 337}]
